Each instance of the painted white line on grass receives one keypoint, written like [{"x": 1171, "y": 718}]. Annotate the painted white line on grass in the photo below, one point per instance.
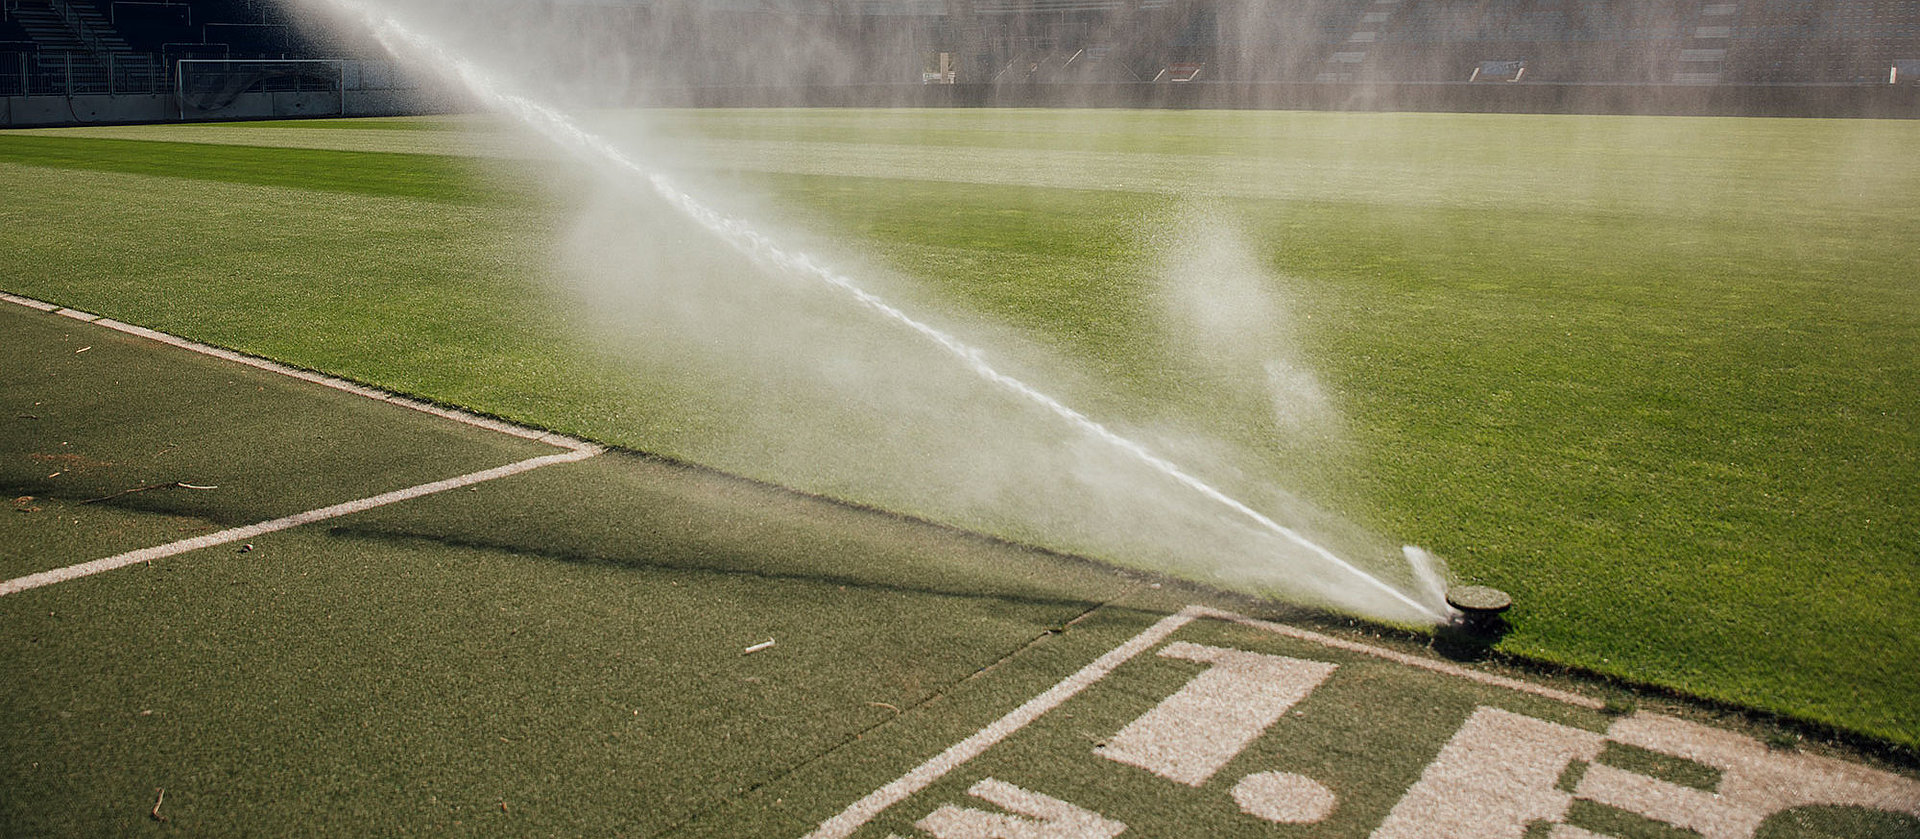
[
  {"x": 863, "y": 811},
  {"x": 28, "y": 302},
  {"x": 1401, "y": 658},
  {"x": 454, "y": 414},
  {"x": 920, "y": 777},
  {"x": 236, "y": 534}
]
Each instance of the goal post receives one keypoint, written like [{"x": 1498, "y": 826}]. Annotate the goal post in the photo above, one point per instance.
[{"x": 220, "y": 87}]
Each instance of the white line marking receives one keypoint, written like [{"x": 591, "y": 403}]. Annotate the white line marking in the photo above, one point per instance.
[
  {"x": 863, "y": 811},
  {"x": 28, "y": 302},
  {"x": 1039, "y": 817},
  {"x": 920, "y": 777},
  {"x": 577, "y": 450},
  {"x": 239, "y": 533},
  {"x": 1402, "y": 658},
  {"x": 1195, "y": 732},
  {"x": 1498, "y": 774},
  {"x": 454, "y": 414}
]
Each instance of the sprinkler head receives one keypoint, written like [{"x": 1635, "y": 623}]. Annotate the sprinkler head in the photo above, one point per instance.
[{"x": 1479, "y": 606}]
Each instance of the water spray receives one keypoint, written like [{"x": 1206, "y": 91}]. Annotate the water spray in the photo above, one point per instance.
[{"x": 557, "y": 128}]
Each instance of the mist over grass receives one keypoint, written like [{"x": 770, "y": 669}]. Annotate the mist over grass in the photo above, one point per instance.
[
  {"x": 1666, "y": 399},
  {"x": 1668, "y": 403},
  {"x": 784, "y": 381},
  {"x": 805, "y": 349}
]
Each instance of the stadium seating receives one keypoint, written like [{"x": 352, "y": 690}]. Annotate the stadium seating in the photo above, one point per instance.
[
  {"x": 1641, "y": 41},
  {"x": 152, "y": 26},
  {"x": 1567, "y": 41},
  {"x": 1766, "y": 42}
]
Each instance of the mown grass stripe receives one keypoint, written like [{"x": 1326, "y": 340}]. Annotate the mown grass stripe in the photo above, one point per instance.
[
  {"x": 355, "y": 388},
  {"x": 430, "y": 177}
]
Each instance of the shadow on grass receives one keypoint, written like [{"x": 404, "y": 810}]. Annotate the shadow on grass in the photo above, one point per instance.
[{"x": 400, "y": 539}]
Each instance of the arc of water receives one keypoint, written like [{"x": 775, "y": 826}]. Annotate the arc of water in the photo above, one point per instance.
[{"x": 592, "y": 148}]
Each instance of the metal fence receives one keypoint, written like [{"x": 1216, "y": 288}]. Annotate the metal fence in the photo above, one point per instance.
[
  {"x": 76, "y": 73},
  {"x": 70, "y": 73}
]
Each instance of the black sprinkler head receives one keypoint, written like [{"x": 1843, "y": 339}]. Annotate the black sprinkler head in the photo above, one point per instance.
[{"x": 1480, "y": 607}]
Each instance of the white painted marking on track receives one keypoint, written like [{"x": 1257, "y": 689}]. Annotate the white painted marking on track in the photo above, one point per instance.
[
  {"x": 1192, "y": 734},
  {"x": 237, "y": 534},
  {"x": 28, "y": 302},
  {"x": 577, "y": 450},
  {"x": 1284, "y": 798},
  {"x": 1038, "y": 817},
  {"x": 862, "y": 811},
  {"x": 920, "y": 777},
  {"x": 1402, "y": 658},
  {"x": 1497, "y": 776},
  {"x": 1500, "y": 775},
  {"x": 1755, "y": 781}
]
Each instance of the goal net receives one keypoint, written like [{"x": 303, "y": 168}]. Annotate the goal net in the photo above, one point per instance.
[{"x": 211, "y": 86}]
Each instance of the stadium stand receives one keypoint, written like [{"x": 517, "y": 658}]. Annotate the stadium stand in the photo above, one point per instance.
[
  {"x": 14, "y": 37},
  {"x": 67, "y": 47},
  {"x": 849, "y": 51},
  {"x": 72, "y": 46},
  {"x": 1412, "y": 41}
]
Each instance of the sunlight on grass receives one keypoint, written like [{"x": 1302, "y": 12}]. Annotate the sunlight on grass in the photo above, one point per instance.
[{"x": 1655, "y": 377}]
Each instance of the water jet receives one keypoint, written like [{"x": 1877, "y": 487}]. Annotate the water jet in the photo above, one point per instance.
[{"x": 1356, "y": 589}]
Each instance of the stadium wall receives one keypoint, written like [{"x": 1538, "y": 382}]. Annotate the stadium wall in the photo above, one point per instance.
[
  {"x": 1830, "y": 101},
  {"x": 112, "y": 109},
  {"x": 1824, "y": 101},
  {"x": 1705, "y": 100}
]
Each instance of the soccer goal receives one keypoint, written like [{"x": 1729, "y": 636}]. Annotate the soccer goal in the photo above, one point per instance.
[{"x": 243, "y": 88}]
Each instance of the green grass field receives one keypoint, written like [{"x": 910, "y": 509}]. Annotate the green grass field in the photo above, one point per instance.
[{"x": 1655, "y": 377}]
